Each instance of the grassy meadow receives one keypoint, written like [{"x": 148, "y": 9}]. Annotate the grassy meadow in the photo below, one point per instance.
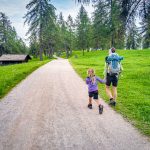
[
  {"x": 11, "y": 75},
  {"x": 133, "y": 90}
]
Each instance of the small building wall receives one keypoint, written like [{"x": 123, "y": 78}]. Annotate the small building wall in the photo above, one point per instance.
[{"x": 10, "y": 62}]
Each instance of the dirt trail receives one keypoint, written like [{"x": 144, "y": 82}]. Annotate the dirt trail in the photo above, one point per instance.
[{"x": 47, "y": 111}]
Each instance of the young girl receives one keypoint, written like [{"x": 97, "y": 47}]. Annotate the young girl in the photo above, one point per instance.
[{"x": 92, "y": 82}]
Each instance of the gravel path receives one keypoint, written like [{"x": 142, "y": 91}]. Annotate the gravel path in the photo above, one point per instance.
[{"x": 48, "y": 111}]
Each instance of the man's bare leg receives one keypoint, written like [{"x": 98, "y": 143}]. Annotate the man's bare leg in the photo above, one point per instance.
[
  {"x": 114, "y": 91},
  {"x": 108, "y": 91}
]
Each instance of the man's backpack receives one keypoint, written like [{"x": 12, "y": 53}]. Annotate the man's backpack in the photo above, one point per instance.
[{"x": 113, "y": 61}]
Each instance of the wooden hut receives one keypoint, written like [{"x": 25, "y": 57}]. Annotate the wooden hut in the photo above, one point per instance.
[{"x": 6, "y": 59}]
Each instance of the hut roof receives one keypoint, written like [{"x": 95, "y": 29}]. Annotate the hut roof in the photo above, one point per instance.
[{"x": 14, "y": 57}]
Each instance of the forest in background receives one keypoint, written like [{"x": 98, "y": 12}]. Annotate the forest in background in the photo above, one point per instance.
[
  {"x": 124, "y": 24},
  {"x": 10, "y": 43}
]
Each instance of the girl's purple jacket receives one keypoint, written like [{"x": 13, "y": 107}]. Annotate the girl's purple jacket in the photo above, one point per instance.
[{"x": 93, "y": 86}]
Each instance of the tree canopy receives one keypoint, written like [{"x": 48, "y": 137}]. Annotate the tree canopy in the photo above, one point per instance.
[{"x": 9, "y": 40}]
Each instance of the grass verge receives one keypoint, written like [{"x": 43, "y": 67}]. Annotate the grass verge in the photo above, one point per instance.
[
  {"x": 11, "y": 75},
  {"x": 133, "y": 90}
]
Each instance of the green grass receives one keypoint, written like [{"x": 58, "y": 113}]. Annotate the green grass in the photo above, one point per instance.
[
  {"x": 133, "y": 90},
  {"x": 11, "y": 75}
]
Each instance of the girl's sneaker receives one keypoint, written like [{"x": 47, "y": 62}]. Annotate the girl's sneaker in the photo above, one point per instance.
[
  {"x": 100, "y": 109},
  {"x": 90, "y": 106}
]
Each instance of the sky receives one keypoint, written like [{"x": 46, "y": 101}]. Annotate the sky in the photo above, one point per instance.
[{"x": 15, "y": 10}]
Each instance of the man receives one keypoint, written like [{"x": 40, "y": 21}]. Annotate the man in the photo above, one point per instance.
[{"x": 112, "y": 70}]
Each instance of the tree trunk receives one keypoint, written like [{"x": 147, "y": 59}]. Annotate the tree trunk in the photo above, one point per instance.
[
  {"x": 112, "y": 39},
  {"x": 41, "y": 52},
  {"x": 67, "y": 52},
  {"x": 41, "y": 57},
  {"x": 66, "y": 49},
  {"x": 51, "y": 51},
  {"x": 41, "y": 46},
  {"x": 83, "y": 52},
  {"x": 1, "y": 50},
  {"x": 112, "y": 24},
  {"x": 70, "y": 44}
]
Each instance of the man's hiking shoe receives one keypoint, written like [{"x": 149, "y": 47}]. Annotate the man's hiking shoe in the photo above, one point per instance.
[
  {"x": 100, "y": 109},
  {"x": 112, "y": 102},
  {"x": 90, "y": 106}
]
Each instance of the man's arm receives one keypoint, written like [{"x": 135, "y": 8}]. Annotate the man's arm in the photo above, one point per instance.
[{"x": 105, "y": 69}]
